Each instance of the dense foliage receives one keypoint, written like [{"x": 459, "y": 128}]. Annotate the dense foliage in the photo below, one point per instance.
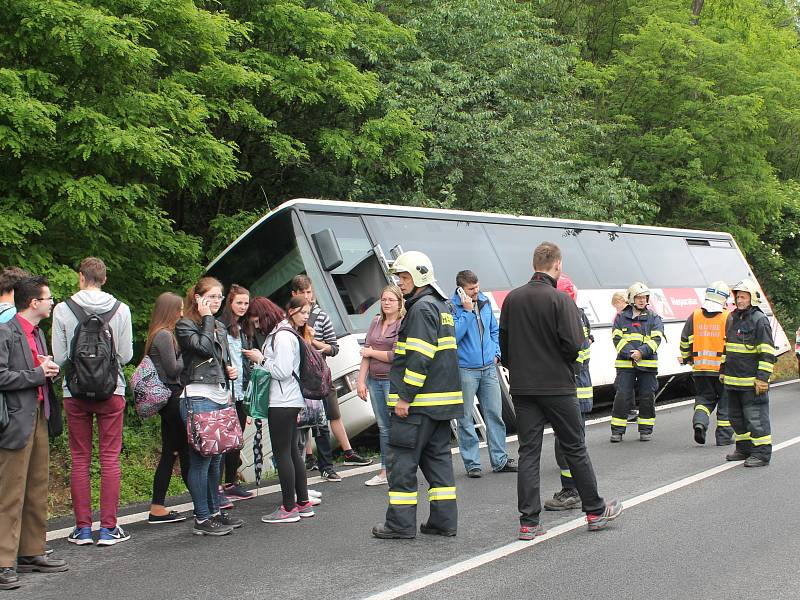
[{"x": 152, "y": 132}]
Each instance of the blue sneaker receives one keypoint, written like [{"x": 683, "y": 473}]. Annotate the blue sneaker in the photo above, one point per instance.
[
  {"x": 109, "y": 537},
  {"x": 81, "y": 536}
]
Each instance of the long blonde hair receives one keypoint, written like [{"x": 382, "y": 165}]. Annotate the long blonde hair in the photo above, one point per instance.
[{"x": 395, "y": 291}]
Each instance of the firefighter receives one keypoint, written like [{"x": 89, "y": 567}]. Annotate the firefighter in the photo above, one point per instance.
[
  {"x": 747, "y": 365},
  {"x": 424, "y": 395},
  {"x": 702, "y": 345},
  {"x": 567, "y": 498},
  {"x": 637, "y": 332}
]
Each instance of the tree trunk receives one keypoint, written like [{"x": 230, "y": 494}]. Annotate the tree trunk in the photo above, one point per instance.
[{"x": 697, "y": 7}]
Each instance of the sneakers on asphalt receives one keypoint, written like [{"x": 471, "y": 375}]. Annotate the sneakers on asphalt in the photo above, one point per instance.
[
  {"x": 645, "y": 436},
  {"x": 47, "y": 550},
  {"x": 8, "y": 578},
  {"x": 225, "y": 503},
  {"x": 754, "y": 461},
  {"x": 735, "y": 455},
  {"x": 236, "y": 492},
  {"x": 210, "y": 527},
  {"x": 616, "y": 438},
  {"x": 226, "y": 520},
  {"x": 601, "y": 521},
  {"x": 40, "y": 564},
  {"x": 281, "y": 515},
  {"x": 354, "y": 459},
  {"x": 565, "y": 499},
  {"x": 509, "y": 467},
  {"x": 311, "y": 463},
  {"x": 81, "y": 536},
  {"x": 528, "y": 532},
  {"x": 377, "y": 480},
  {"x": 172, "y": 516},
  {"x": 109, "y": 537},
  {"x": 305, "y": 509},
  {"x": 314, "y": 493},
  {"x": 699, "y": 434},
  {"x": 474, "y": 473},
  {"x": 330, "y": 475}
]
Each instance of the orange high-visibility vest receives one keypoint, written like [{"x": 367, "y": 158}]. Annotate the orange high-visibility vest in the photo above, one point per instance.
[{"x": 709, "y": 340}]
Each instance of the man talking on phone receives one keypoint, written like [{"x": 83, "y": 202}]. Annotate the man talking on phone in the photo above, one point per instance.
[{"x": 477, "y": 337}]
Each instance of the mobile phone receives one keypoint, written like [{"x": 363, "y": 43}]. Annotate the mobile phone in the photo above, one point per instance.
[{"x": 461, "y": 294}]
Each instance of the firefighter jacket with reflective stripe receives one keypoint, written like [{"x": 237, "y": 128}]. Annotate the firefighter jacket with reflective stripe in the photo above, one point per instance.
[
  {"x": 750, "y": 352},
  {"x": 643, "y": 332},
  {"x": 425, "y": 367},
  {"x": 583, "y": 378},
  {"x": 703, "y": 341}
]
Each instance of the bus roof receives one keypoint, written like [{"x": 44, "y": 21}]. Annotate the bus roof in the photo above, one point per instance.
[{"x": 365, "y": 208}]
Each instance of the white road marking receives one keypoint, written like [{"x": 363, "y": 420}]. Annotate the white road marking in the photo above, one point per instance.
[
  {"x": 514, "y": 547},
  {"x": 272, "y": 489}
]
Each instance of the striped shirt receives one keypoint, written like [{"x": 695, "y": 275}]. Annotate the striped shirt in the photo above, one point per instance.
[{"x": 323, "y": 329}]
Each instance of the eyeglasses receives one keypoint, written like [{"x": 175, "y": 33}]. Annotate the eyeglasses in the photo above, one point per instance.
[
  {"x": 214, "y": 297},
  {"x": 48, "y": 299},
  {"x": 389, "y": 300}
]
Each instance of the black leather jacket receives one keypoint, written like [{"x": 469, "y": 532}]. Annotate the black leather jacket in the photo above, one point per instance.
[{"x": 204, "y": 349}]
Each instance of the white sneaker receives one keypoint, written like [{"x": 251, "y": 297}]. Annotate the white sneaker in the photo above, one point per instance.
[
  {"x": 315, "y": 501},
  {"x": 314, "y": 494},
  {"x": 377, "y": 480}
]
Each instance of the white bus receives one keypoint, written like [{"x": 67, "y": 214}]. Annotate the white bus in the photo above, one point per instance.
[{"x": 347, "y": 247}]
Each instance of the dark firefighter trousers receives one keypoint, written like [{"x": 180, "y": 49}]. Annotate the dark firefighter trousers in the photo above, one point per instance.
[
  {"x": 629, "y": 380},
  {"x": 749, "y": 416},
  {"x": 424, "y": 442},
  {"x": 567, "y": 481},
  {"x": 564, "y": 415},
  {"x": 710, "y": 394}
]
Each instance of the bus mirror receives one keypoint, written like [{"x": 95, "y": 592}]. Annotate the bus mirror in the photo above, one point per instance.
[{"x": 328, "y": 249}]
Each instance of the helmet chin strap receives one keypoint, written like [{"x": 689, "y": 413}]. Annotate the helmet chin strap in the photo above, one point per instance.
[{"x": 411, "y": 294}]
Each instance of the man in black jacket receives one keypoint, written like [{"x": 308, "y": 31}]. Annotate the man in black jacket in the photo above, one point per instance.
[
  {"x": 540, "y": 337},
  {"x": 26, "y": 373}
]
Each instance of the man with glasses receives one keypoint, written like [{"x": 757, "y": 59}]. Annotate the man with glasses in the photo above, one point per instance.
[
  {"x": 26, "y": 373},
  {"x": 81, "y": 413}
]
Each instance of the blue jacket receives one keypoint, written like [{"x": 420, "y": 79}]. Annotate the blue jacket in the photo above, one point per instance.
[{"x": 472, "y": 354}]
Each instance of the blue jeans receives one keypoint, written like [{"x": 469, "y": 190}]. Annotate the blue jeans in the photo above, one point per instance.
[
  {"x": 203, "y": 476},
  {"x": 379, "y": 396},
  {"x": 483, "y": 383}
]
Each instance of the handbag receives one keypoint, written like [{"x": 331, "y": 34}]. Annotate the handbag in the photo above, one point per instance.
[
  {"x": 256, "y": 396},
  {"x": 214, "y": 432},
  {"x": 3, "y": 412},
  {"x": 150, "y": 395},
  {"x": 312, "y": 414}
]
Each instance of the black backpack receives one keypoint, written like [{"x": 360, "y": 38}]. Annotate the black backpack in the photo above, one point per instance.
[{"x": 93, "y": 368}]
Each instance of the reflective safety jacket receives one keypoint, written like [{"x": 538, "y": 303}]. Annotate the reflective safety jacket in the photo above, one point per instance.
[
  {"x": 643, "y": 333},
  {"x": 583, "y": 379},
  {"x": 425, "y": 367},
  {"x": 703, "y": 341},
  {"x": 750, "y": 352}
]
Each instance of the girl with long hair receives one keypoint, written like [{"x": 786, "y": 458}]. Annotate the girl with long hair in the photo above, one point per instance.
[
  {"x": 280, "y": 355},
  {"x": 233, "y": 317},
  {"x": 207, "y": 372},
  {"x": 377, "y": 355},
  {"x": 162, "y": 348}
]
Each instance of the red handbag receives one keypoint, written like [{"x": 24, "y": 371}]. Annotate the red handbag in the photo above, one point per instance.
[{"x": 214, "y": 432}]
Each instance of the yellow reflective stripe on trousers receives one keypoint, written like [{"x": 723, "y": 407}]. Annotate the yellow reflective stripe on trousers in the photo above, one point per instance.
[
  {"x": 441, "y": 493},
  {"x": 585, "y": 392},
  {"x": 566, "y": 473},
  {"x": 765, "y": 366},
  {"x": 431, "y": 399},
  {"x": 617, "y": 422},
  {"x": 761, "y": 441},
  {"x": 414, "y": 378},
  {"x": 641, "y": 421},
  {"x": 703, "y": 408},
  {"x": 741, "y": 437},
  {"x": 421, "y": 346},
  {"x": 402, "y": 497},
  {"x": 740, "y": 348},
  {"x": 739, "y": 381},
  {"x": 723, "y": 423}
]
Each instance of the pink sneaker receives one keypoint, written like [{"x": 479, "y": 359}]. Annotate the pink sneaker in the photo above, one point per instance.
[
  {"x": 305, "y": 509},
  {"x": 281, "y": 515}
]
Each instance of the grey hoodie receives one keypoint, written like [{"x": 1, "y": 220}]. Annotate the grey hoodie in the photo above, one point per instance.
[{"x": 96, "y": 302}]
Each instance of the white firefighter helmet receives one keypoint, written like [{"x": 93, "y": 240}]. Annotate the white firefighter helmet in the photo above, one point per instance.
[
  {"x": 637, "y": 289},
  {"x": 746, "y": 285},
  {"x": 416, "y": 264},
  {"x": 718, "y": 292}
]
